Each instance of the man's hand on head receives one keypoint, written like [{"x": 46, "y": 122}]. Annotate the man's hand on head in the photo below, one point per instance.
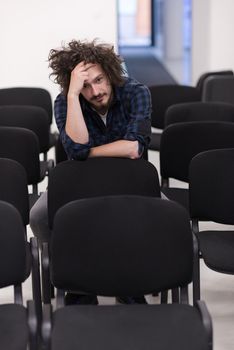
[{"x": 78, "y": 76}]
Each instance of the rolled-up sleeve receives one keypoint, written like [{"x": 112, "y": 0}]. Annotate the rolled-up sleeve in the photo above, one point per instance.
[
  {"x": 74, "y": 150},
  {"x": 139, "y": 113}
]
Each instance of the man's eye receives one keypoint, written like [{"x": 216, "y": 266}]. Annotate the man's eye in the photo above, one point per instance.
[{"x": 99, "y": 80}]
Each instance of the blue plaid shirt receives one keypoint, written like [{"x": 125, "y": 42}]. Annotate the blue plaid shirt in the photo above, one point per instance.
[{"x": 128, "y": 118}]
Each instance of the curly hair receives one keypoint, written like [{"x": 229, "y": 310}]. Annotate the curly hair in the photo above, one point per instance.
[{"x": 63, "y": 61}]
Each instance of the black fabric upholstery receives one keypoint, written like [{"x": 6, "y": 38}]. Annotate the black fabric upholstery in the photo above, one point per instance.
[
  {"x": 212, "y": 198},
  {"x": 211, "y": 177},
  {"x": 163, "y": 96},
  {"x": 13, "y": 327},
  {"x": 219, "y": 88},
  {"x": 13, "y": 246},
  {"x": 31, "y": 96},
  {"x": 182, "y": 141},
  {"x": 130, "y": 248},
  {"x": 137, "y": 327},
  {"x": 179, "y": 195},
  {"x": 13, "y": 186},
  {"x": 29, "y": 117},
  {"x": 73, "y": 180},
  {"x": 204, "y": 76},
  {"x": 217, "y": 249},
  {"x": 199, "y": 111},
  {"x": 21, "y": 145},
  {"x": 17, "y": 321}
]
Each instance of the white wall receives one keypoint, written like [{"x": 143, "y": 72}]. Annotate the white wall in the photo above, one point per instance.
[
  {"x": 30, "y": 28},
  {"x": 212, "y": 40}
]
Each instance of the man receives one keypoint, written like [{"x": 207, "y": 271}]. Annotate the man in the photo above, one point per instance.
[{"x": 99, "y": 113}]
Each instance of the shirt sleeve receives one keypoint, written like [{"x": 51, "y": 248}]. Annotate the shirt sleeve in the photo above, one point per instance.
[
  {"x": 74, "y": 150},
  {"x": 139, "y": 113}
]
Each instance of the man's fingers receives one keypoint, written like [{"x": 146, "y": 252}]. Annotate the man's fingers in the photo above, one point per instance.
[{"x": 82, "y": 66}]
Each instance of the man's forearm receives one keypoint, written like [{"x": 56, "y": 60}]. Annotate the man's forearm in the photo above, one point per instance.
[
  {"x": 120, "y": 148},
  {"x": 75, "y": 127}
]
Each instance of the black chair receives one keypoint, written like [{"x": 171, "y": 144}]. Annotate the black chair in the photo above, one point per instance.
[
  {"x": 158, "y": 253},
  {"x": 100, "y": 177},
  {"x": 93, "y": 178},
  {"x": 14, "y": 190},
  {"x": 211, "y": 186},
  {"x": 164, "y": 96},
  {"x": 29, "y": 117},
  {"x": 18, "y": 324},
  {"x": 32, "y": 96},
  {"x": 219, "y": 89},
  {"x": 22, "y": 145},
  {"x": 199, "y": 111},
  {"x": 202, "y": 79},
  {"x": 180, "y": 143},
  {"x": 14, "y": 187}
]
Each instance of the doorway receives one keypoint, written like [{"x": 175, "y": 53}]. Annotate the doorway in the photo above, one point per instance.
[{"x": 135, "y": 23}]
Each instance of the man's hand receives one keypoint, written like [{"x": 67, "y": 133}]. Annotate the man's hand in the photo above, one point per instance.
[{"x": 78, "y": 76}]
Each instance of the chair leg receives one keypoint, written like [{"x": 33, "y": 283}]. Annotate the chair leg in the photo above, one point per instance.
[
  {"x": 196, "y": 272},
  {"x": 164, "y": 297},
  {"x": 46, "y": 285},
  {"x": 36, "y": 283},
  {"x": 175, "y": 295}
]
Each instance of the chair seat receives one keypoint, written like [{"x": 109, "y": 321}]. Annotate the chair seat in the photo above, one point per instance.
[
  {"x": 155, "y": 141},
  {"x": 217, "y": 248},
  {"x": 115, "y": 327},
  {"x": 179, "y": 195},
  {"x": 13, "y": 327}
]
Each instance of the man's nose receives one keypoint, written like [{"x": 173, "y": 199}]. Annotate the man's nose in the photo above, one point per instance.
[{"x": 95, "y": 90}]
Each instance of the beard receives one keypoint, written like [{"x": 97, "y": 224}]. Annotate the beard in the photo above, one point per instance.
[{"x": 101, "y": 107}]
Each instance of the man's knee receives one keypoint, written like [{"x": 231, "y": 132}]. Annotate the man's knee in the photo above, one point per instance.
[{"x": 38, "y": 219}]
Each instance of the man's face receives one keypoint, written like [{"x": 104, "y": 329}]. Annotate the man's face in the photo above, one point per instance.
[{"x": 97, "y": 89}]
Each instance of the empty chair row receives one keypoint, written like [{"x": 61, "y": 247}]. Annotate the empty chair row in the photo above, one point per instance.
[
  {"x": 30, "y": 96},
  {"x": 22, "y": 145},
  {"x": 214, "y": 86}
]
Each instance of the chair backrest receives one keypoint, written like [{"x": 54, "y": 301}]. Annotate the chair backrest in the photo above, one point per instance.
[
  {"x": 13, "y": 186},
  {"x": 21, "y": 145},
  {"x": 32, "y": 96},
  {"x": 219, "y": 89},
  {"x": 13, "y": 260},
  {"x": 199, "y": 111},
  {"x": 29, "y": 117},
  {"x": 204, "y": 76},
  {"x": 71, "y": 180},
  {"x": 211, "y": 186},
  {"x": 164, "y": 96},
  {"x": 180, "y": 142},
  {"x": 121, "y": 245}
]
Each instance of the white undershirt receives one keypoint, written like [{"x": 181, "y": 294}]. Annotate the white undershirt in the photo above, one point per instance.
[{"x": 103, "y": 116}]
